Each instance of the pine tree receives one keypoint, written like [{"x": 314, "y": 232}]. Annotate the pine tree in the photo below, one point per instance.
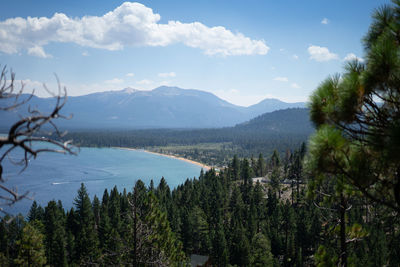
[
  {"x": 71, "y": 232},
  {"x": 104, "y": 230},
  {"x": 235, "y": 168},
  {"x": 260, "y": 166},
  {"x": 31, "y": 251},
  {"x": 220, "y": 252},
  {"x": 114, "y": 209},
  {"x": 240, "y": 247},
  {"x": 161, "y": 237},
  {"x": 199, "y": 231},
  {"x": 55, "y": 235},
  {"x": 4, "y": 241},
  {"x": 86, "y": 244},
  {"x": 357, "y": 115},
  {"x": 261, "y": 251},
  {"x": 96, "y": 210},
  {"x": 247, "y": 181},
  {"x": 36, "y": 212}
]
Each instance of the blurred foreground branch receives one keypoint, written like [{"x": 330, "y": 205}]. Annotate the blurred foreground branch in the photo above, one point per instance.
[{"x": 32, "y": 133}]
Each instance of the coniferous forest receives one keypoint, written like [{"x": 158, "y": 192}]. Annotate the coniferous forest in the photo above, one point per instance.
[{"x": 226, "y": 215}]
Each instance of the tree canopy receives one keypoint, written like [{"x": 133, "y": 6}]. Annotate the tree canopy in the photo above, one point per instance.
[{"x": 357, "y": 115}]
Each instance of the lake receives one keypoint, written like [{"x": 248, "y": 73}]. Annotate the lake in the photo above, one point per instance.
[{"x": 58, "y": 176}]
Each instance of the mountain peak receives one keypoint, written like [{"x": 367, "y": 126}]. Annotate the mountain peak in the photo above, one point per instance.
[{"x": 129, "y": 90}]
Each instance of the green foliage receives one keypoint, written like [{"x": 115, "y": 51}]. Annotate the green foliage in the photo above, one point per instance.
[
  {"x": 30, "y": 248},
  {"x": 357, "y": 115},
  {"x": 86, "y": 244},
  {"x": 36, "y": 212},
  {"x": 161, "y": 236},
  {"x": 233, "y": 221},
  {"x": 220, "y": 252},
  {"x": 323, "y": 258},
  {"x": 261, "y": 251},
  {"x": 55, "y": 238}
]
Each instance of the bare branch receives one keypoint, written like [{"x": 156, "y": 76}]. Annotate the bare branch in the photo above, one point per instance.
[{"x": 24, "y": 134}]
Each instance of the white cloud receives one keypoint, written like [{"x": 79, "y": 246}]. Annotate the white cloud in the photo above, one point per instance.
[
  {"x": 114, "y": 81},
  {"x": 130, "y": 24},
  {"x": 320, "y": 54},
  {"x": 295, "y": 85},
  {"x": 167, "y": 74},
  {"x": 282, "y": 49},
  {"x": 281, "y": 79},
  {"x": 130, "y": 74},
  {"x": 351, "y": 56},
  {"x": 325, "y": 21},
  {"x": 295, "y": 56},
  {"x": 37, "y": 51},
  {"x": 144, "y": 82},
  {"x": 85, "y": 54}
]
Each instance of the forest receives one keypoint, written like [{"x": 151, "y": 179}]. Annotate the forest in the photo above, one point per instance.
[
  {"x": 226, "y": 216},
  {"x": 280, "y": 130}
]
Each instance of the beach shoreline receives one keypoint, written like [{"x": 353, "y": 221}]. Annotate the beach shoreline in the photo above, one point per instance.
[{"x": 205, "y": 167}]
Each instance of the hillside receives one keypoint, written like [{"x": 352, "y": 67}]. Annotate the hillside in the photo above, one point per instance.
[
  {"x": 281, "y": 130},
  {"x": 293, "y": 120},
  {"x": 163, "y": 107}
]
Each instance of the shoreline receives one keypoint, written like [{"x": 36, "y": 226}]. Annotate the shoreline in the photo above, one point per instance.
[{"x": 205, "y": 167}]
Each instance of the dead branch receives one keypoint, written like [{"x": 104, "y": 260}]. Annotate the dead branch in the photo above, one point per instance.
[{"x": 32, "y": 134}]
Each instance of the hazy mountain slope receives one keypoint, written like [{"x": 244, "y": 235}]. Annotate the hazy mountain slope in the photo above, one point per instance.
[
  {"x": 292, "y": 120},
  {"x": 163, "y": 107},
  {"x": 294, "y": 123},
  {"x": 271, "y": 104}
]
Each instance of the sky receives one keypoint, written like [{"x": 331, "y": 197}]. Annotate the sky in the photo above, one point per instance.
[{"x": 241, "y": 51}]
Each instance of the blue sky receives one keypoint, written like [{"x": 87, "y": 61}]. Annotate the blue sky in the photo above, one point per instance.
[{"x": 242, "y": 51}]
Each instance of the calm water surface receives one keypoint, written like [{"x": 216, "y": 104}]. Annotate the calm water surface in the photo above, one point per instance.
[{"x": 57, "y": 176}]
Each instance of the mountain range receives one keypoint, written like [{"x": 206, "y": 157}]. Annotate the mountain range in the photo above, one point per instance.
[{"x": 162, "y": 107}]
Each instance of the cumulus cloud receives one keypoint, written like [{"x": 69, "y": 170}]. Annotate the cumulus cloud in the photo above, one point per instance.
[
  {"x": 85, "y": 54},
  {"x": 130, "y": 74},
  {"x": 295, "y": 85},
  {"x": 351, "y": 56},
  {"x": 38, "y": 51},
  {"x": 325, "y": 21},
  {"x": 319, "y": 53},
  {"x": 130, "y": 24},
  {"x": 281, "y": 79},
  {"x": 167, "y": 74}
]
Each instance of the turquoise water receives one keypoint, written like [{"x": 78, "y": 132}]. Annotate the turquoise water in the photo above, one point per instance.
[{"x": 57, "y": 176}]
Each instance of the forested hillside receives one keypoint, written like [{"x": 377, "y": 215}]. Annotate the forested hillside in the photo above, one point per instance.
[
  {"x": 281, "y": 130},
  {"x": 225, "y": 216}
]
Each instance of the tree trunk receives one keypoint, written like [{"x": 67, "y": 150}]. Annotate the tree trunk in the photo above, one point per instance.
[
  {"x": 397, "y": 189},
  {"x": 343, "y": 246}
]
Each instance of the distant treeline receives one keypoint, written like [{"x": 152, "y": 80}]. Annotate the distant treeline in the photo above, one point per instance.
[{"x": 280, "y": 130}]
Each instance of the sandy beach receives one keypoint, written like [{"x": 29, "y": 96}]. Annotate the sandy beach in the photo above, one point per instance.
[{"x": 205, "y": 167}]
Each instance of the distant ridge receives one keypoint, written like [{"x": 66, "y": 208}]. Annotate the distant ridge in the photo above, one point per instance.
[
  {"x": 291, "y": 120},
  {"x": 162, "y": 107}
]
